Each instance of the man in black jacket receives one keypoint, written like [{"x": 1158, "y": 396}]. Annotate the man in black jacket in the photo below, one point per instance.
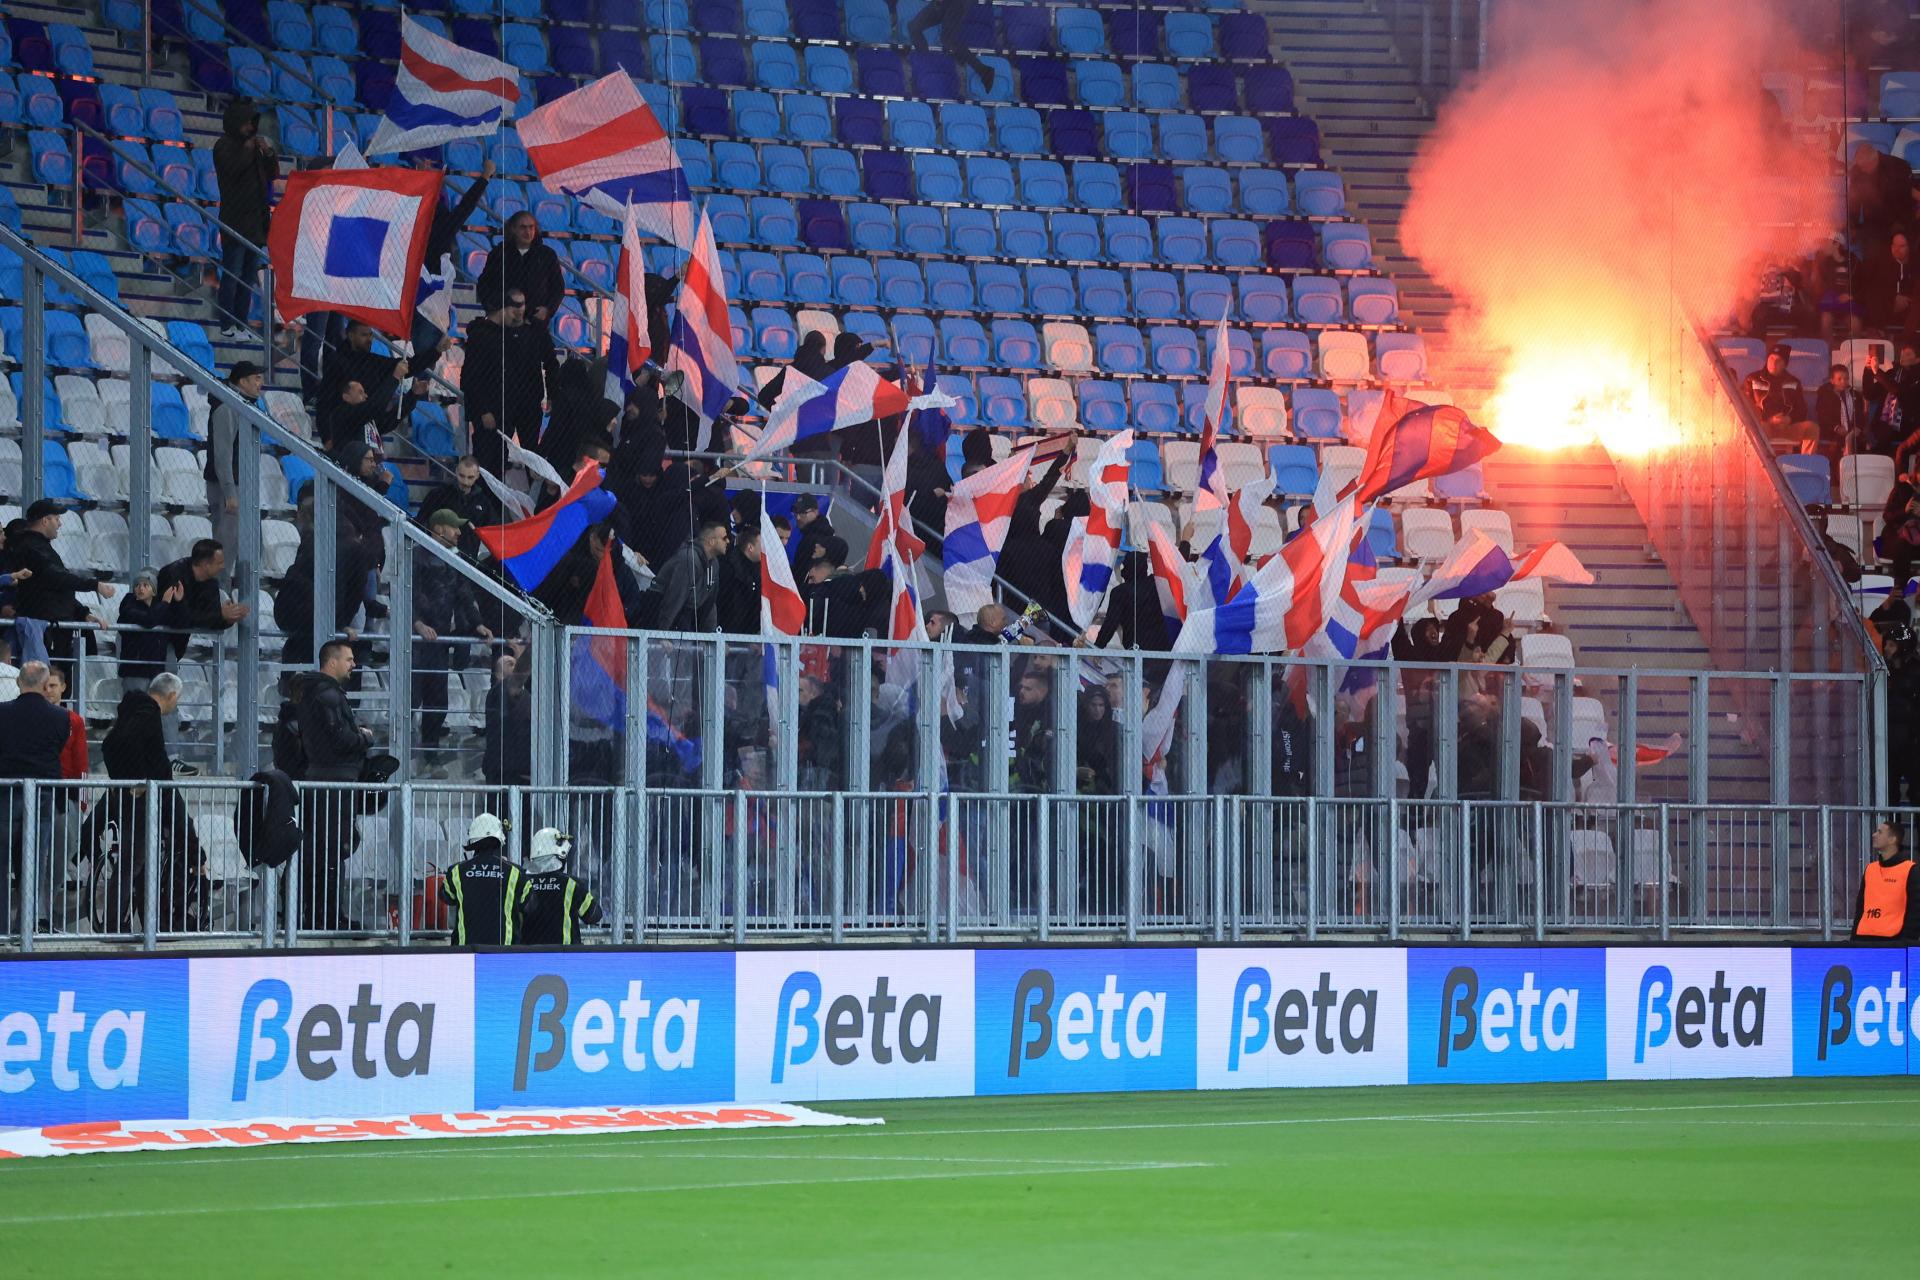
[
  {"x": 33, "y": 731},
  {"x": 135, "y": 750},
  {"x": 48, "y": 595},
  {"x": 510, "y": 365},
  {"x": 1842, "y": 414},
  {"x": 357, "y": 387},
  {"x": 523, "y": 261},
  {"x": 466, "y": 497},
  {"x": 441, "y": 237},
  {"x": 246, "y": 167},
  {"x": 445, "y": 611},
  {"x": 335, "y": 749},
  {"x": 738, "y": 592},
  {"x": 685, "y": 584},
  {"x": 190, "y": 589}
]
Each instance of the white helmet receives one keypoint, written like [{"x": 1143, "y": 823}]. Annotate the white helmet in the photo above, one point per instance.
[
  {"x": 549, "y": 849},
  {"x": 485, "y": 827}
]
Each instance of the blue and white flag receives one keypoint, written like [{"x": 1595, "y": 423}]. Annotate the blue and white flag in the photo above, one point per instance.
[
  {"x": 442, "y": 92},
  {"x": 703, "y": 333}
]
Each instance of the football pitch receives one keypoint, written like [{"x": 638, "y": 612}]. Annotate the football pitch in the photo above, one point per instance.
[{"x": 1703, "y": 1178}]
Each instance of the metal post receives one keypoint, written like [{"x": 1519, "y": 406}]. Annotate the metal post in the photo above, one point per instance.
[
  {"x": 1826, "y": 874},
  {"x": 30, "y": 862},
  {"x": 1133, "y": 866},
  {"x": 860, "y": 717},
  {"x": 1666, "y": 871},
  {"x": 1313, "y": 867},
  {"x": 400, "y": 816},
  {"x": 953, "y": 883},
  {"x": 1453, "y": 43},
  {"x": 1392, "y": 864},
  {"x": 837, "y": 866},
  {"x": 1466, "y": 871},
  {"x": 33, "y": 383},
  {"x": 1320, "y": 709},
  {"x": 620, "y": 867},
  {"x": 1510, "y": 693},
  {"x": 713, "y": 712},
  {"x": 1485, "y": 16},
  {"x": 948, "y": 840},
  {"x": 1697, "y": 775},
  {"x": 266, "y": 314},
  {"x": 1217, "y": 814},
  {"x": 150, "y": 895},
  {"x": 1779, "y": 760},
  {"x": 739, "y": 867},
  {"x": 1445, "y": 692},
  {"x": 1232, "y": 856},
  {"x": 1627, "y": 718},
  {"x": 213, "y": 711},
  {"x": 1539, "y": 872},
  {"x": 549, "y": 704},
  {"x": 79, "y": 185},
  {"x": 246, "y": 590},
  {"x": 326, "y": 543},
  {"x": 1043, "y": 838},
  {"x": 1563, "y": 744},
  {"x": 140, "y": 504}
]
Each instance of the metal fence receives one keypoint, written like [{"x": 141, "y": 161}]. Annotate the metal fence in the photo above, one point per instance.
[{"x": 163, "y": 863}]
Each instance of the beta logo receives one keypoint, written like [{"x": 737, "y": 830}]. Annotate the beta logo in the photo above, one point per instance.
[
  {"x": 85, "y": 1040},
  {"x": 1297, "y": 1017},
  {"x": 584, "y": 1029},
  {"x": 854, "y": 1025},
  {"x": 1699, "y": 1013},
  {"x": 1507, "y": 1014},
  {"x": 1054, "y": 1022},
  {"x": 331, "y": 1035},
  {"x": 1853, "y": 1011}
]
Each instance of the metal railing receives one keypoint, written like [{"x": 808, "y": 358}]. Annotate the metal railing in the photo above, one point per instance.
[
  {"x": 147, "y": 864},
  {"x": 1441, "y": 41}
]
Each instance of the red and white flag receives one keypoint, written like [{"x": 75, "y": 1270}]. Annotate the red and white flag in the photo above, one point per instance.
[
  {"x": 353, "y": 241},
  {"x": 603, "y": 143}
]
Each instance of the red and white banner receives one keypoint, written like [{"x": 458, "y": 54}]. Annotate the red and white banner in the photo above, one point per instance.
[{"x": 187, "y": 1135}]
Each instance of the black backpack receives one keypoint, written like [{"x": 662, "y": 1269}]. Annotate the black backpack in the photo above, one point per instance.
[
  {"x": 289, "y": 752},
  {"x": 269, "y": 830}
]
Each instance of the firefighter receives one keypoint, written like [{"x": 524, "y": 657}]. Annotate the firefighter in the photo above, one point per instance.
[
  {"x": 1888, "y": 906},
  {"x": 553, "y": 905},
  {"x": 484, "y": 890}
]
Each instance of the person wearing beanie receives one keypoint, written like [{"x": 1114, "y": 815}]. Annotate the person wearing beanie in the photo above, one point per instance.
[{"x": 553, "y": 905}]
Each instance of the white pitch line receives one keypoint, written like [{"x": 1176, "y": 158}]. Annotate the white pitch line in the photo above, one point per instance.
[
  {"x": 883, "y": 1131},
  {"x": 184, "y": 1211}
]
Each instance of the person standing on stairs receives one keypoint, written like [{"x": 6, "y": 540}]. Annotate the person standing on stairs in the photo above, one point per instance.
[{"x": 247, "y": 168}]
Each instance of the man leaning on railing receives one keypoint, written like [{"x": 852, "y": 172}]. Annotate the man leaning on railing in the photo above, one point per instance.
[{"x": 32, "y": 733}]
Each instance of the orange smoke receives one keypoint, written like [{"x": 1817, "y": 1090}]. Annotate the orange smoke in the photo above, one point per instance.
[{"x": 1612, "y": 172}]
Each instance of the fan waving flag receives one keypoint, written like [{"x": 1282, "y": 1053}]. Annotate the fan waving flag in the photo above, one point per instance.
[
  {"x": 703, "y": 332},
  {"x": 1169, "y": 578},
  {"x": 530, "y": 548},
  {"x": 1478, "y": 565},
  {"x": 353, "y": 241},
  {"x": 603, "y": 143},
  {"x": 1093, "y": 547},
  {"x": 848, "y": 396},
  {"x": 1289, "y": 601},
  {"x": 630, "y": 342},
  {"x": 978, "y": 515},
  {"x": 1433, "y": 440},
  {"x": 597, "y": 670},
  {"x": 893, "y": 534},
  {"x": 1554, "y": 562},
  {"x": 1210, "y": 494},
  {"x": 442, "y": 91}
]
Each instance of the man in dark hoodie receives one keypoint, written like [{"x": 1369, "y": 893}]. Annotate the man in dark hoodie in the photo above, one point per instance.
[
  {"x": 446, "y": 612},
  {"x": 1030, "y": 558},
  {"x": 49, "y": 594},
  {"x": 655, "y": 512},
  {"x": 523, "y": 261},
  {"x": 814, "y": 529},
  {"x": 738, "y": 593},
  {"x": 510, "y": 367},
  {"x": 247, "y": 168},
  {"x": 466, "y": 497},
  {"x": 356, "y": 388},
  {"x": 335, "y": 750}
]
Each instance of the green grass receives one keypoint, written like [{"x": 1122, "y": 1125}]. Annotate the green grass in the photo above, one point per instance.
[{"x": 1701, "y": 1179}]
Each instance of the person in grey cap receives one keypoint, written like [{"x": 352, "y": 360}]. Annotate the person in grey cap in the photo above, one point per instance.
[{"x": 224, "y": 434}]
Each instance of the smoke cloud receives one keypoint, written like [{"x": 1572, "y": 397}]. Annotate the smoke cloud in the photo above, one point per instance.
[{"x": 1617, "y": 167}]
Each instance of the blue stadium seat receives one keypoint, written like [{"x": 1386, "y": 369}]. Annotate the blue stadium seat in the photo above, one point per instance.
[
  {"x": 251, "y": 76},
  {"x": 1133, "y": 33},
  {"x": 1019, "y": 131},
  {"x": 40, "y": 102},
  {"x": 1212, "y": 87},
  {"x": 1156, "y": 407},
  {"x": 9, "y": 209},
  {"x": 1022, "y": 234},
  {"x": 1003, "y": 401},
  {"x": 1402, "y": 357},
  {"x": 1236, "y": 243},
  {"x": 697, "y": 162},
  {"x": 911, "y": 124},
  {"x": 1285, "y": 354},
  {"x": 901, "y": 283},
  {"x": 1016, "y": 345},
  {"x": 1468, "y": 484},
  {"x": 728, "y": 214},
  {"x": 1319, "y": 193},
  {"x": 745, "y": 342},
  {"x": 871, "y": 228},
  {"x": 1043, "y": 183},
  {"x": 1144, "y": 471},
  {"x": 1175, "y": 350},
  {"x": 835, "y": 172},
  {"x": 1190, "y": 36},
  {"x": 133, "y": 170},
  {"x": 922, "y": 231},
  {"x": 1050, "y": 291},
  {"x": 57, "y": 479},
  {"x": 723, "y": 61},
  {"x": 1346, "y": 246},
  {"x": 1239, "y": 140},
  {"x": 760, "y": 275},
  {"x": 989, "y": 180},
  {"x": 1263, "y": 299},
  {"x": 1026, "y": 29},
  {"x": 1316, "y": 300},
  {"x": 869, "y": 22},
  {"x": 1043, "y": 82},
  {"x": 935, "y": 75},
  {"x": 960, "y": 387},
  {"x": 94, "y": 268},
  {"x": 1096, "y": 185},
  {"x": 1290, "y": 243},
  {"x": 1243, "y": 36},
  {"x": 854, "y": 282},
  {"x": 963, "y": 341},
  {"x": 1183, "y": 137},
  {"x": 775, "y": 65},
  {"x": 72, "y": 55},
  {"x": 1128, "y": 238},
  {"x": 775, "y": 223},
  {"x": 299, "y": 131},
  {"x": 802, "y": 117},
  {"x": 1156, "y": 295},
  {"x": 1074, "y": 237},
  {"x": 704, "y": 109},
  {"x": 595, "y": 261},
  {"x": 670, "y": 59},
  {"x": 755, "y": 114},
  {"x": 1295, "y": 467},
  {"x": 1293, "y": 140},
  {"x": 816, "y": 19},
  {"x": 1000, "y": 90},
  {"x": 334, "y": 30},
  {"x": 290, "y": 26},
  {"x": 1098, "y": 84},
  {"x": 736, "y": 166},
  {"x": 524, "y": 48},
  {"x": 774, "y": 333},
  {"x": 1209, "y": 296},
  {"x": 1373, "y": 300},
  {"x": 1118, "y": 348},
  {"x": 949, "y": 285},
  {"x": 1079, "y": 31},
  {"x": 1128, "y": 134},
  {"x": 823, "y": 226},
  {"x": 146, "y": 228},
  {"x": 1240, "y": 356},
  {"x": 1073, "y": 133},
  {"x": 1156, "y": 87},
  {"x": 1103, "y": 292},
  {"x": 1263, "y": 193},
  {"x": 1103, "y": 405},
  {"x": 1183, "y": 241},
  {"x": 1317, "y": 414},
  {"x": 717, "y": 15},
  {"x": 1383, "y": 537},
  {"x": 999, "y": 287},
  {"x": 67, "y": 345},
  {"x": 120, "y": 108},
  {"x": 1205, "y": 189},
  {"x": 973, "y": 233},
  {"x": 937, "y": 177}
]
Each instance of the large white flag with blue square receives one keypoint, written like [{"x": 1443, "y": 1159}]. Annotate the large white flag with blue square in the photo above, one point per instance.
[{"x": 352, "y": 241}]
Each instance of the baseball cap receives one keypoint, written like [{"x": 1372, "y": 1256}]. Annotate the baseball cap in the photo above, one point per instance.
[
  {"x": 446, "y": 515},
  {"x": 243, "y": 369}
]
